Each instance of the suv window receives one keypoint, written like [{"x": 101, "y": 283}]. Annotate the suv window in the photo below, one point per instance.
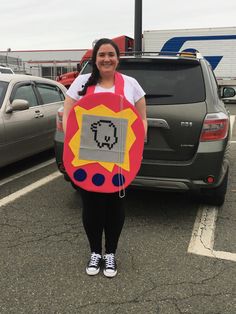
[
  {"x": 167, "y": 81},
  {"x": 50, "y": 93}
]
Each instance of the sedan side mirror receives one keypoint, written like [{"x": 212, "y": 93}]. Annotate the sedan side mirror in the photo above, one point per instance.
[{"x": 18, "y": 105}]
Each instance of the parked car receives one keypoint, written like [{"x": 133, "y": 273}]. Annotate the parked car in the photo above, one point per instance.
[
  {"x": 28, "y": 109},
  {"x": 6, "y": 70},
  {"x": 187, "y": 145}
]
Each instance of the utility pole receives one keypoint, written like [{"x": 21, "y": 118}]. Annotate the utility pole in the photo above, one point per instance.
[
  {"x": 8, "y": 51},
  {"x": 138, "y": 26}
]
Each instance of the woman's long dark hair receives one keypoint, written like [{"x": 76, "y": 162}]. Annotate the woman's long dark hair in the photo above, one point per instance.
[{"x": 95, "y": 75}]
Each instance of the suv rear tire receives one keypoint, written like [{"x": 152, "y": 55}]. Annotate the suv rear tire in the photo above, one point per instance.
[{"x": 216, "y": 196}]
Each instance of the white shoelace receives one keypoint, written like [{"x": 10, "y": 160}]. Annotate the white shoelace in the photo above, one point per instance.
[
  {"x": 110, "y": 260},
  {"x": 94, "y": 260}
]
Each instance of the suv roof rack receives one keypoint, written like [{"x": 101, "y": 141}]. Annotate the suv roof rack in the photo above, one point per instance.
[{"x": 188, "y": 54}]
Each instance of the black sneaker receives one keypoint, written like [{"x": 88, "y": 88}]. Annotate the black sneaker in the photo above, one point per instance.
[
  {"x": 110, "y": 269},
  {"x": 94, "y": 263}
]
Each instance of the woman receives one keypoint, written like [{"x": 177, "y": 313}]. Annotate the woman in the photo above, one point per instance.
[{"x": 104, "y": 212}]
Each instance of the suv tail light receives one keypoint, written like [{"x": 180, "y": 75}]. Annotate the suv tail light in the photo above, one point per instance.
[
  {"x": 215, "y": 127},
  {"x": 59, "y": 120}
]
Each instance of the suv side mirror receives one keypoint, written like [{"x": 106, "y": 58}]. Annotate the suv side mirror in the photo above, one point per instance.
[{"x": 228, "y": 92}]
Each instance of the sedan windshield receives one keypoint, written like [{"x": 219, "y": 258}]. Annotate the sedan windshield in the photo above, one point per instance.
[{"x": 3, "y": 89}]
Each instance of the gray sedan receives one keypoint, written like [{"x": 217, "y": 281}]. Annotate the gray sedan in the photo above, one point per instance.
[{"x": 28, "y": 108}]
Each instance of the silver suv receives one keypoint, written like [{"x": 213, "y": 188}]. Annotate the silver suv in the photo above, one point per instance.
[{"x": 188, "y": 125}]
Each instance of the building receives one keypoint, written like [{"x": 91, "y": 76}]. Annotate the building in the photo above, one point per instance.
[{"x": 45, "y": 63}]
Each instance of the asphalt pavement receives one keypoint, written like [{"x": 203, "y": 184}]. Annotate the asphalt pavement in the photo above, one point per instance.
[{"x": 44, "y": 252}]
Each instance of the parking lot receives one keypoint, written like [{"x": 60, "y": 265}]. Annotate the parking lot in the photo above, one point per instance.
[{"x": 175, "y": 254}]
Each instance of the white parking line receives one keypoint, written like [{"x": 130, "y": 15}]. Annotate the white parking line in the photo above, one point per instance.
[
  {"x": 23, "y": 173},
  {"x": 202, "y": 240},
  {"x": 203, "y": 234},
  {"x": 12, "y": 197}
]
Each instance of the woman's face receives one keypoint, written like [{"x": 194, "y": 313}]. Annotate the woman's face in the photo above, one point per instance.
[{"x": 107, "y": 59}]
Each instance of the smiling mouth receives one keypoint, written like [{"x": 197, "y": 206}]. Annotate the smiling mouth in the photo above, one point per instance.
[{"x": 107, "y": 66}]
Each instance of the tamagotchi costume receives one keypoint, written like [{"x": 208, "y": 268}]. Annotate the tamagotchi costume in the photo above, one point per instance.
[{"x": 104, "y": 141}]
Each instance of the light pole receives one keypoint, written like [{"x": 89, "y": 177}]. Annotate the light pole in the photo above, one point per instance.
[{"x": 138, "y": 26}]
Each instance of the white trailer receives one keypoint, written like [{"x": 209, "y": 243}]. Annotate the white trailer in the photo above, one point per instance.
[{"x": 217, "y": 45}]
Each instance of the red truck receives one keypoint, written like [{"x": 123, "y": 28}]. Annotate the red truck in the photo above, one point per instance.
[{"x": 124, "y": 43}]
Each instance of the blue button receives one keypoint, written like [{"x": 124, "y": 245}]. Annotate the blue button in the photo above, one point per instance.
[
  {"x": 80, "y": 175},
  {"x": 118, "y": 179},
  {"x": 98, "y": 179}
]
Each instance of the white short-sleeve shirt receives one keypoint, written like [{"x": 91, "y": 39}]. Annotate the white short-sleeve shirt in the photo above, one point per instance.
[{"x": 132, "y": 90}]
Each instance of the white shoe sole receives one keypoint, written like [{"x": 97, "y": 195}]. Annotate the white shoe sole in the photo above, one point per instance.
[
  {"x": 108, "y": 274},
  {"x": 92, "y": 272}
]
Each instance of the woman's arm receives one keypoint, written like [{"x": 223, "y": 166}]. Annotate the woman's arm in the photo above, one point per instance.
[
  {"x": 68, "y": 104},
  {"x": 141, "y": 107}
]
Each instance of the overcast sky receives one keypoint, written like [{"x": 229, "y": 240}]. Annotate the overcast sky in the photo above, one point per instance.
[{"x": 75, "y": 24}]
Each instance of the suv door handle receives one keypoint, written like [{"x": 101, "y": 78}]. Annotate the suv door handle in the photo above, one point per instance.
[{"x": 158, "y": 123}]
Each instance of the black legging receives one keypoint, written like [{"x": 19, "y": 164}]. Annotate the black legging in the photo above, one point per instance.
[{"x": 102, "y": 212}]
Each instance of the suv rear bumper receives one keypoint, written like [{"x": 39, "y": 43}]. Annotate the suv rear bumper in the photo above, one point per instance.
[
  {"x": 169, "y": 184},
  {"x": 159, "y": 183},
  {"x": 184, "y": 179}
]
